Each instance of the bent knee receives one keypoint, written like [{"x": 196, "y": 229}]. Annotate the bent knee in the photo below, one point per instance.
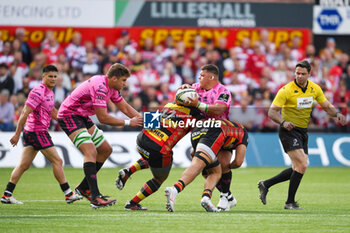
[
  {"x": 57, "y": 162},
  {"x": 24, "y": 167}
]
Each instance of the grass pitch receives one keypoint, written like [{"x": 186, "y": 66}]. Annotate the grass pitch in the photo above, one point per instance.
[{"x": 324, "y": 194}]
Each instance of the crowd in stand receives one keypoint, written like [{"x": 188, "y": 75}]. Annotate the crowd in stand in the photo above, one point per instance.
[{"x": 253, "y": 72}]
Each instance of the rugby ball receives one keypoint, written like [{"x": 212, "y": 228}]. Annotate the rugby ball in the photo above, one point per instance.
[{"x": 182, "y": 95}]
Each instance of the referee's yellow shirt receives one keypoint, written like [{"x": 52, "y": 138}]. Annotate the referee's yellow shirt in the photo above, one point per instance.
[{"x": 297, "y": 103}]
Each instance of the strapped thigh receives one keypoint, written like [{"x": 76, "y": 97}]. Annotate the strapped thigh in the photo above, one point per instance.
[
  {"x": 97, "y": 137},
  {"x": 82, "y": 137}
]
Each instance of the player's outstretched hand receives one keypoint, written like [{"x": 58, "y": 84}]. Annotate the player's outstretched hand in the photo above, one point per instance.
[
  {"x": 14, "y": 140},
  {"x": 136, "y": 121},
  {"x": 341, "y": 119},
  {"x": 184, "y": 86}
]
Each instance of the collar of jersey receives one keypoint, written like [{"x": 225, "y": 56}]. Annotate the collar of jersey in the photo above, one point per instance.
[
  {"x": 303, "y": 89},
  {"x": 211, "y": 88}
]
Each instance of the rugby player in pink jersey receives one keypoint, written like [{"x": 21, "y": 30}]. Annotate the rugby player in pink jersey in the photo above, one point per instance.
[
  {"x": 88, "y": 99},
  {"x": 215, "y": 100},
  {"x": 36, "y": 115}
]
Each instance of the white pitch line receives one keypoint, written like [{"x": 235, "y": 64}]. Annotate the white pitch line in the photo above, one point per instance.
[
  {"x": 175, "y": 214},
  {"x": 42, "y": 200}
]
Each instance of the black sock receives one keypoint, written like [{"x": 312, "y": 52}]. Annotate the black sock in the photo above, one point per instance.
[
  {"x": 84, "y": 184},
  {"x": 90, "y": 175},
  {"x": 9, "y": 189},
  {"x": 294, "y": 182},
  {"x": 225, "y": 182},
  {"x": 179, "y": 185},
  {"x": 207, "y": 193},
  {"x": 283, "y": 176}
]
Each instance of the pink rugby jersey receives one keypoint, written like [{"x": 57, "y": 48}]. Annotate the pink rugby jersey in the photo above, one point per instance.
[
  {"x": 41, "y": 100},
  {"x": 93, "y": 93},
  {"x": 218, "y": 94}
]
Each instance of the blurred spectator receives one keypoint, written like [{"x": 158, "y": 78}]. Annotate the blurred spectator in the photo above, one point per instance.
[
  {"x": 52, "y": 51},
  {"x": 341, "y": 97},
  {"x": 63, "y": 69},
  {"x": 147, "y": 49},
  {"x": 267, "y": 47},
  {"x": 48, "y": 36},
  {"x": 170, "y": 77},
  {"x": 198, "y": 65},
  {"x": 60, "y": 91},
  {"x": 328, "y": 59},
  {"x": 112, "y": 58},
  {"x": 159, "y": 60},
  {"x": 148, "y": 95},
  {"x": 181, "y": 49},
  {"x": 183, "y": 69},
  {"x": 7, "y": 111},
  {"x": 169, "y": 47},
  {"x": 229, "y": 62},
  {"x": 147, "y": 75},
  {"x": 136, "y": 103},
  {"x": 244, "y": 114},
  {"x": 25, "y": 89},
  {"x": 35, "y": 76},
  {"x": 16, "y": 46},
  {"x": 39, "y": 60},
  {"x": 18, "y": 71},
  {"x": 331, "y": 46},
  {"x": 214, "y": 57},
  {"x": 198, "y": 50},
  {"x": 256, "y": 62},
  {"x": 100, "y": 45},
  {"x": 164, "y": 94},
  {"x": 244, "y": 51},
  {"x": 344, "y": 62},
  {"x": 1, "y": 42},
  {"x": 267, "y": 125},
  {"x": 237, "y": 86},
  {"x": 310, "y": 53},
  {"x": 26, "y": 52},
  {"x": 6, "y": 56},
  {"x": 90, "y": 66},
  {"x": 76, "y": 53},
  {"x": 297, "y": 52},
  {"x": 153, "y": 106},
  {"x": 279, "y": 75},
  {"x": 222, "y": 48},
  {"x": 6, "y": 81},
  {"x": 122, "y": 56},
  {"x": 130, "y": 45},
  {"x": 347, "y": 77}
]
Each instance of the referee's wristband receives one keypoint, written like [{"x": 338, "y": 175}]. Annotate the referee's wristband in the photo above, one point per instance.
[
  {"x": 126, "y": 122},
  {"x": 203, "y": 107},
  {"x": 282, "y": 123}
]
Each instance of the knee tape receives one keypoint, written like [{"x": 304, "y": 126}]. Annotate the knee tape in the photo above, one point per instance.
[
  {"x": 198, "y": 154},
  {"x": 97, "y": 137},
  {"x": 82, "y": 137}
]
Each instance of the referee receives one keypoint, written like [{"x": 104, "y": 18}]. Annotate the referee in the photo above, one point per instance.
[{"x": 295, "y": 101}]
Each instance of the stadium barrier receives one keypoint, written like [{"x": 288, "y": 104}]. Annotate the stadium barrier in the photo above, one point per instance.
[{"x": 264, "y": 149}]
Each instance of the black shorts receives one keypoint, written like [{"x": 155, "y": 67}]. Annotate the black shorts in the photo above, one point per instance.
[
  {"x": 210, "y": 137},
  {"x": 154, "y": 157},
  {"x": 297, "y": 138},
  {"x": 38, "y": 140},
  {"x": 72, "y": 123}
]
